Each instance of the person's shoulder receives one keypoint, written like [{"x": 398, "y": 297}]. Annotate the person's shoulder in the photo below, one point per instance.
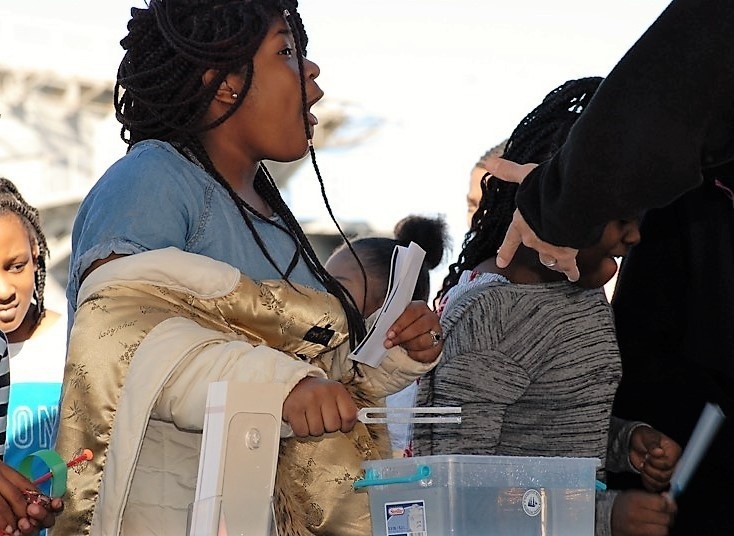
[
  {"x": 150, "y": 172},
  {"x": 473, "y": 300},
  {"x": 51, "y": 322},
  {"x": 152, "y": 162},
  {"x": 479, "y": 311}
]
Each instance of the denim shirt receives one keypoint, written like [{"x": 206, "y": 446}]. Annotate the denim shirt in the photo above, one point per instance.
[{"x": 153, "y": 198}]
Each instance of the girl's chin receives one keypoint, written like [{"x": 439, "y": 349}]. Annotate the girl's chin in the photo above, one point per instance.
[
  {"x": 8, "y": 327},
  {"x": 598, "y": 278}
]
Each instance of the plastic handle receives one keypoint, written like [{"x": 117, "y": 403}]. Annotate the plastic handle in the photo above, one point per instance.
[
  {"x": 408, "y": 415},
  {"x": 371, "y": 478}
]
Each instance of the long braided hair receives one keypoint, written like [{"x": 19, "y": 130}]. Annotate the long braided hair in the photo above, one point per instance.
[
  {"x": 159, "y": 94},
  {"x": 11, "y": 202},
  {"x": 535, "y": 139}
]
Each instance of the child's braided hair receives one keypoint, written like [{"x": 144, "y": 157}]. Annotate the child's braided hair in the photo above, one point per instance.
[{"x": 535, "y": 139}]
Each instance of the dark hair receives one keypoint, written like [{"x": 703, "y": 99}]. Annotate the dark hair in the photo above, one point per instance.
[
  {"x": 497, "y": 150},
  {"x": 535, "y": 139},
  {"x": 374, "y": 253},
  {"x": 159, "y": 94},
  {"x": 12, "y": 202}
]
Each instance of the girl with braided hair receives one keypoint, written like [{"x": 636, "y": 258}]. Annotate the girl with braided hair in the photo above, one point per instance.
[
  {"x": 531, "y": 358},
  {"x": 35, "y": 354},
  {"x": 188, "y": 267}
]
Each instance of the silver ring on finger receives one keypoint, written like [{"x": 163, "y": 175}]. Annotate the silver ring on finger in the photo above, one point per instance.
[
  {"x": 437, "y": 337},
  {"x": 549, "y": 264}
]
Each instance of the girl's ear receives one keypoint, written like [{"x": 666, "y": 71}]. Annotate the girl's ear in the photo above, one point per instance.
[
  {"x": 226, "y": 92},
  {"x": 36, "y": 252}
]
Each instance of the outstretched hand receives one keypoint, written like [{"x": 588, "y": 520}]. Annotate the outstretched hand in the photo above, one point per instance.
[
  {"x": 558, "y": 258},
  {"x": 655, "y": 455}
]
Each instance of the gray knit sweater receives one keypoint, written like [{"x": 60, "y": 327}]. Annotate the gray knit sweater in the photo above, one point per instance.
[{"x": 534, "y": 369}]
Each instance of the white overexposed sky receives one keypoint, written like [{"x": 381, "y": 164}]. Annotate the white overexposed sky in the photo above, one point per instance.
[{"x": 444, "y": 80}]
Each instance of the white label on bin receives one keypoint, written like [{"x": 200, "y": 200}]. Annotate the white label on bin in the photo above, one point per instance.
[
  {"x": 531, "y": 502},
  {"x": 406, "y": 518}
]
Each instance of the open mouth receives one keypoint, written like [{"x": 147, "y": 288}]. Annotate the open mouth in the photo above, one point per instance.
[{"x": 8, "y": 314}]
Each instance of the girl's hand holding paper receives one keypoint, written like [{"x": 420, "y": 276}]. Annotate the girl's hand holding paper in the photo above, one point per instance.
[{"x": 414, "y": 330}]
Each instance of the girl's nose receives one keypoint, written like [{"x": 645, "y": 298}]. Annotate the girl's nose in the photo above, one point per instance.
[
  {"x": 311, "y": 68},
  {"x": 632, "y": 234},
  {"x": 7, "y": 290}
]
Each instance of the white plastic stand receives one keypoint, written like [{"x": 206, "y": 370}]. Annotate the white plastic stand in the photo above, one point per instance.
[{"x": 239, "y": 455}]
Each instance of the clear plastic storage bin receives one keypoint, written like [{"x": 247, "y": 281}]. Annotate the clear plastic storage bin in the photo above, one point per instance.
[{"x": 481, "y": 496}]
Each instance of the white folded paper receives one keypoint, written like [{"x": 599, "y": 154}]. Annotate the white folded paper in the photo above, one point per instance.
[{"x": 404, "y": 269}]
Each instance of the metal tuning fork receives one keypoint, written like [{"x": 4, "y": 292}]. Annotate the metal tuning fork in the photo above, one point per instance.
[{"x": 446, "y": 415}]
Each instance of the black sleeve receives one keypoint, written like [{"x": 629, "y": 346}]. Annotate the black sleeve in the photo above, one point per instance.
[{"x": 664, "y": 112}]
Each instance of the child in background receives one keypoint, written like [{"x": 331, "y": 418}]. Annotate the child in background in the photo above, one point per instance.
[
  {"x": 375, "y": 254},
  {"x": 474, "y": 194},
  {"x": 531, "y": 358},
  {"x": 37, "y": 336},
  {"x": 36, "y": 341}
]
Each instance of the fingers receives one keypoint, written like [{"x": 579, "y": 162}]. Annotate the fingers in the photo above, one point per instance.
[
  {"x": 12, "y": 501},
  {"x": 557, "y": 258},
  {"x": 414, "y": 321},
  {"x": 654, "y": 480},
  {"x": 24, "y": 510},
  {"x": 39, "y": 515},
  {"x": 641, "y": 513},
  {"x": 347, "y": 414},
  {"x": 566, "y": 262},
  {"x": 333, "y": 414},
  {"x": 507, "y": 170},
  {"x": 418, "y": 331},
  {"x": 560, "y": 259},
  {"x": 655, "y": 456},
  {"x": 317, "y": 406},
  {"x": 512, "y": 241},
  {"x": 28, "y": 526}
]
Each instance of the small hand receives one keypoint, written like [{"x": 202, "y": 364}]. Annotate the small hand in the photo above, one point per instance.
[
  {"x": 639, "y": 513},
  {"x": 316, "y": 406},
  {"x": 558, "y": 258},
  {"x": 654, "y": 454},
  {"x": 418, "y": 331},
  {"x": 18, "y": 515},
  {"x": 41, "y": 513}
]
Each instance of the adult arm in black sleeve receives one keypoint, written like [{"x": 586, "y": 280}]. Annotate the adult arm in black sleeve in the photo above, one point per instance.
[{"x": 664, "y": 112}]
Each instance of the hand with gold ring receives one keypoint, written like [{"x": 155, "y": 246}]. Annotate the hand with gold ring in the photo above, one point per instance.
[{"x": 418, "y": 331}]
